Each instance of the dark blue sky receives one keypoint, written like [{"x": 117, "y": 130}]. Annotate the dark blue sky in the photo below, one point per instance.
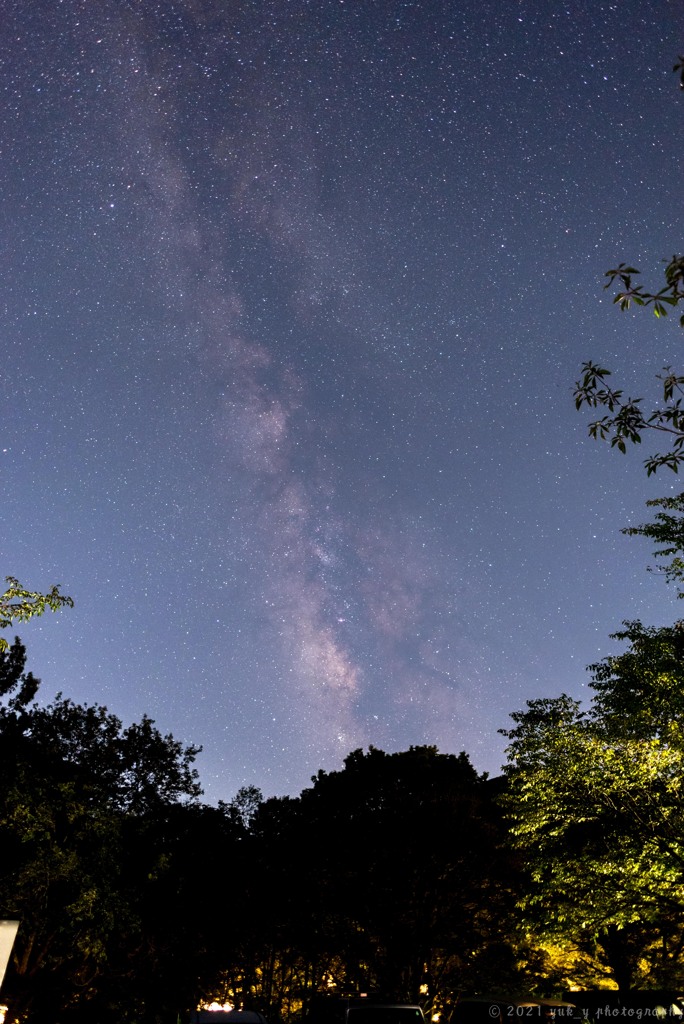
[{"x": 293, "y": 298}]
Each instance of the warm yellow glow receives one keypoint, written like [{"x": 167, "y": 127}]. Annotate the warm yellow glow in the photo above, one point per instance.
[
  {"x": 3, "y": 1013},
  {"x": 435, "y": 1016},
  {"x": 211, "y": 1006}
]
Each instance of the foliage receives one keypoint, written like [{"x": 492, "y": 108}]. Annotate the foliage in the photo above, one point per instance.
[
  {"x": 133, "y": 769},
  {"x": 631, "y": 293},
  {"x": 390, "y": 875},
  {"x": 80, "y": 799},
  {"x": 625, "y": 420},
  {"x": 12, "y": 676},
  {"x": 595, "y": 797},
  {"x": 640, "y": 692},
  {"x": 244, "y": 806},
  {"x": 19, "y": 605},
  {"x": 596, "y": 801},
  {"x": 668, "y": 530}
]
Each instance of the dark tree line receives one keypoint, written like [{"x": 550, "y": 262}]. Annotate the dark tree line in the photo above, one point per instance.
[
  {"x": 136, "y": 900},
  {"x": 98, "y": 825},
  {"x": 407, "y": 874}
]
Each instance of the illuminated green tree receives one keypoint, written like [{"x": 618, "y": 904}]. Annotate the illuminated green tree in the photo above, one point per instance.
[{"x": 596, "y": 802}]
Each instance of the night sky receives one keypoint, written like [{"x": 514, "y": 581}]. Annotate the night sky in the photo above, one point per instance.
[{"x": 293, "y": 297}]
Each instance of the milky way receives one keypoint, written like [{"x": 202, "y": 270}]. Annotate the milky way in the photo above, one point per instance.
[{"x": 294, "y": 296}]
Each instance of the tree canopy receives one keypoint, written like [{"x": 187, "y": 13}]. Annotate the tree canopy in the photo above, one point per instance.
[
  {"x": 80, "y": 797},
  {"x": 595, "y": 800},
  {"x": 596, "y": 803},
  {"x": 596, "y": 795}
]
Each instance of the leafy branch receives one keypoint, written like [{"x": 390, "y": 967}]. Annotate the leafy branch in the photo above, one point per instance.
[
  {"x": 627, "y": 421},
  {"x": 19, "y": 605},
  {"x": 667, "y": 530},
  {"x": 670, "y": 295}
]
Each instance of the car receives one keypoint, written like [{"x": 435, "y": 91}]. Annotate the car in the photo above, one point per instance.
[
  {"x": 364, "y": 1012},
  {"x": 360, "y": 1010}
]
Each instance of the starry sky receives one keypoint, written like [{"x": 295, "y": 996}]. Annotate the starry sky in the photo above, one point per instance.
[{"x": 293, "y": 297}]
